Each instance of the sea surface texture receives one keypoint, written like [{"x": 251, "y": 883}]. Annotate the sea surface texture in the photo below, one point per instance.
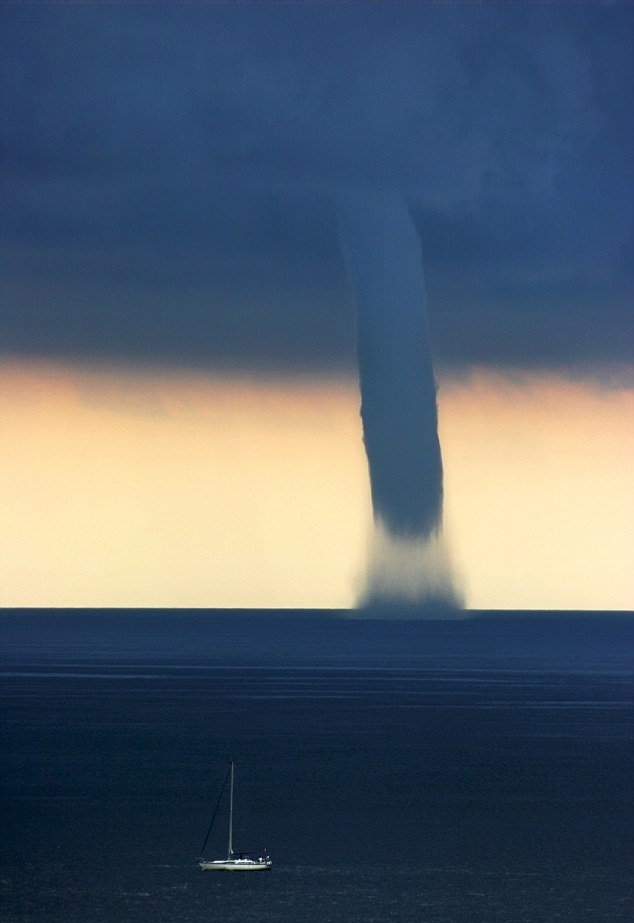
[{"x": 432, "y": 772}]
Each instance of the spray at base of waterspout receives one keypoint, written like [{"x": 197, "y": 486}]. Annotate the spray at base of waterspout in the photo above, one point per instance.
[{"x": 410, "y": 574}]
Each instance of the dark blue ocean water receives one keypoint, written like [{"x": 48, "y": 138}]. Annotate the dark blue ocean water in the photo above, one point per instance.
[{"x": 433, "y": 772}]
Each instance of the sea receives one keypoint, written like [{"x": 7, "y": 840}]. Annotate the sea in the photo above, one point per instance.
[{"x": 436, "y": 771}]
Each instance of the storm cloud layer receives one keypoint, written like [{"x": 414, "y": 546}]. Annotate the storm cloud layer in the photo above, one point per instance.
[{"x": 168, "y": 175}]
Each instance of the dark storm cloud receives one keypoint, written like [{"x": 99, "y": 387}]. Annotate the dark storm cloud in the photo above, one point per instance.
[{"x": 169, "y": 172}]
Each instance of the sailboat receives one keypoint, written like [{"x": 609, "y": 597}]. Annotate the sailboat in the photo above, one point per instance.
[{"x": 235, "y": 862}]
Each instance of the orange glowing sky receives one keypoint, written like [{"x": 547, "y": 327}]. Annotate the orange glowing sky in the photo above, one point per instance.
[{"x": 154, "y": 488}]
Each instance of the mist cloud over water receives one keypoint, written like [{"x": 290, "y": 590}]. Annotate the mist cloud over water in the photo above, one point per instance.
[
  {"x": 398, "y": 397},
  {"x": 411, "y": 572}
]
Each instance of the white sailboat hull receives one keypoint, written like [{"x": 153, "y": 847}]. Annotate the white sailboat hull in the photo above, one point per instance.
[{"x": 235, "y": 865}]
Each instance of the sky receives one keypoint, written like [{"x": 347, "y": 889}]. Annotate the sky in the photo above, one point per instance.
[{"x": 179, "y": 412}]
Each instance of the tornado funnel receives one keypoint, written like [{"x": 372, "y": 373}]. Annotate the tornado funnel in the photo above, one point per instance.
[{"x": 398, "y": 390}]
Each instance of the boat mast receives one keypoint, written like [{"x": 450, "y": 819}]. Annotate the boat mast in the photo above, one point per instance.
[
  {"x": 213, "y": 817},
  {"x": 230, "y": 853}
]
